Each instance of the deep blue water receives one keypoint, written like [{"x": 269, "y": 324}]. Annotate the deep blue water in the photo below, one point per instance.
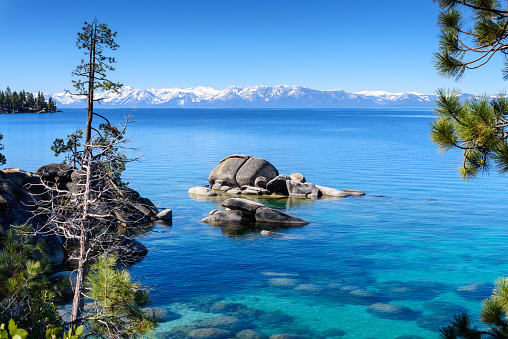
[{"x": 418, "y": 235}]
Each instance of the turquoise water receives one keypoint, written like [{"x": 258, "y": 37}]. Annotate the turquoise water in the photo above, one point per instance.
[{"x": 417, "y": 237}]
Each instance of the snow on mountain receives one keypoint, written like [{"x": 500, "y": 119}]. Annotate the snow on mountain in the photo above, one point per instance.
[{"x": 246, "y": 97}]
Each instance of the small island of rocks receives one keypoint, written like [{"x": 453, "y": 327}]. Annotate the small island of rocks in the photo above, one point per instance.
[{"x": 255, "y": 177}]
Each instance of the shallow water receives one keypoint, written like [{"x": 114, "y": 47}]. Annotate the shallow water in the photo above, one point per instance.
[{"x": 418, "y": 235}]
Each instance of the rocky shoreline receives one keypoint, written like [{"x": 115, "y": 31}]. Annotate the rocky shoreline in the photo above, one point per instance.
[{"x": 23, "y": 196}]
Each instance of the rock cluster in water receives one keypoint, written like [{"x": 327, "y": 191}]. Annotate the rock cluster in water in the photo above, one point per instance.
[
  {"x": 238, "y": 209},
  {"x": 243, "y": 174}
]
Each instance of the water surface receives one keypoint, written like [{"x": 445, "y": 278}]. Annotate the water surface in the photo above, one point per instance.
[{"x": 417, "y": 237}]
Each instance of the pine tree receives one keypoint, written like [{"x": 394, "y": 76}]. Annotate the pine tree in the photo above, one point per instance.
[
  {"x": 117, "y": 302},
  {"x": 94, "y": 38},
  {"x": 471, "y": 33}
]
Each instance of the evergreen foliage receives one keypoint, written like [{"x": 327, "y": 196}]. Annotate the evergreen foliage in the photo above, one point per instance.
[
  {"x": 70, "y": 147},
  {"x": 25, "y": 291},
  {"x": 477, "y": 128},
  {"x": 471, "y": 33},
  {"x": 494, "y": 313},
  {"x": 25, "y": 102},
  {"x": 117, "y": 160},
  {"x": 117, "y": 302}
]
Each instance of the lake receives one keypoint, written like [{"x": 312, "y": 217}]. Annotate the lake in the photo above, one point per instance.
[{"x": 396, "y": 263}]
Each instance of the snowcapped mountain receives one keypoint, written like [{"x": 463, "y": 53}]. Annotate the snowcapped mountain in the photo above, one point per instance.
[{"x": 246, "y": 97}]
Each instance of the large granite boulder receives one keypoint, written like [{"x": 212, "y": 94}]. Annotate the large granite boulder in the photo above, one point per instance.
[{"x": 239, "y": 170}]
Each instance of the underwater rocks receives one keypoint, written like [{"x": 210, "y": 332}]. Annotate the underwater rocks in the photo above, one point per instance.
[
  {"x": 239, "y": 209},
  {"x": 392, "y": 311},
  {"x": 475, "y": 291}
]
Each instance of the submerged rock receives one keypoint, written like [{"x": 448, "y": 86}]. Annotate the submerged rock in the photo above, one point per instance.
[
  {"x": 476, "y": 290},
  {"x": 391, "y": 311},
  {"x": 209, "y": 333},
  {"x": 250, "y": 334}
]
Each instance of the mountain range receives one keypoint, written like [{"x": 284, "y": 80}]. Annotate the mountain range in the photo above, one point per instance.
[{"x": 281, "y": 96}]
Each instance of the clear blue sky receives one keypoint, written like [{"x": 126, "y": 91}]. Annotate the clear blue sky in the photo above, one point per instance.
[{"x": 322, "y": 44}]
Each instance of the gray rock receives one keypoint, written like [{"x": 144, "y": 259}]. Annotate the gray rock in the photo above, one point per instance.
[
  {"x": 283, "y": 282},
  {"x": 63, "y": 283},
  {"x": 251, "y": 192},
  {"x": 260, "y": 182},
  {"x": 225, "y": 188},
  {"x": 253, "y": 168},
  {"x": 212, "y": 212},
  {"x": 202, "y": 191},
  {"x": 54, "y": 248},
  {"x": 309, "y": 288},
  {"x": 16, "y": 207},
  {"x": 53, "y": 172},
  {"x": 223, "y": 322},
  {"x": 303, "y": 189},
  {"x": 220, "y": 182},
  {"x": 270, "y": 215},
  {"x": 209, "y": 333},
  {"x": 354, "y": 192},
  {"x": 227, "y": 169},
  {"x": 248, "y": 207},
  {"x": 476, "y": 290},
  {"x": 234, "y": 191},
  {"x": 166, "y": 215},
  {"x": 391, "y": 311},
  {"x": 297, "y": 177},
  {"x": 332, "y": 192},
  {"x": 78, "y": 176},
  {"x": 216, "y": 186},
  {"x": 250, "y": 334},
  {"x": 287, "y": 336},
  {"x": 131, "y": 251},
  {"x": 278, "y": 184},
  {"x": 224, "y": 217}
]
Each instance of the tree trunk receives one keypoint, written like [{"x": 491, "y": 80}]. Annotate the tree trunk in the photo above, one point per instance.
[{"x": 78, "y": 303}]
